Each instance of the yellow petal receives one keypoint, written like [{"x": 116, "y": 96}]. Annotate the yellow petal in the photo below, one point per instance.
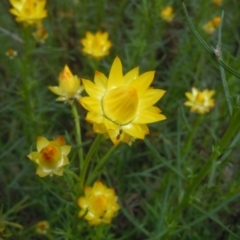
[
  {"x": 120, "y": 104},
  {"x": 115, "y": 78},
  {"x": 65, "y": 149},
  {"x": 92, "y": 89},
  {"x": 146, "y": 116},
  {"x": 91, "y": 104},
  {"x": 150, "y": 97},
  {"x": 41, "y": 143},
  {"x": 131, "y": 76},
  {"x": 100, "y": 80},
  {"x": 94, "y": 117},
  {"x": 141, "y": 84},
  {"x": 134, "y": 130}
]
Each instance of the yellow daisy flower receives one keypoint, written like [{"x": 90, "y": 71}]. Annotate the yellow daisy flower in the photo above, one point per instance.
[
  {"x": 40, "y": 34},
  {"x": 121, "y": 105},
  {"x": 42, "y": 227},
  {"x": 11, "y": 53},
  {"x": 96, "y": 46},
  {"x": 200, "y": 101},
  {"x": 211, "y": 26},
  {"x": 167, "y": 14},
  {"x": 69, "y": 86},
  {"x": 217, "y": 2},
  {"x": 28, "y": 11},
  {"x": 99, "y": 204},
  {"x": 51, "y": 156}
]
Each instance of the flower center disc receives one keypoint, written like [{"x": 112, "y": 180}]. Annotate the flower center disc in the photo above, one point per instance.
[
  {"x": 50, "y": 156},
  {"x": 120, "y": 105},
  {"x": 98, "y": 205}
]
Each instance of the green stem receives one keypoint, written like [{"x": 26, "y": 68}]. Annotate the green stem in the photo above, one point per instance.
[
  {"x": 217, "y": 151},
  {"x": 188, "y": 142},
  {"x": 78, "y": 134},
  {"x": 223, "y": 76},
  {"x": 92, "y": 150},
  {"x": 209, "y": 49},
  {"x": 100, "y": 164}
]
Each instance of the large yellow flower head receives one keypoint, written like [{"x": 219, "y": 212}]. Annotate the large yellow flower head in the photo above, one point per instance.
[
  {"x": 121, "y": 105},
  {"x": 211, "y": 26},
  {"x": 69, "y": 86},
  {"x": 99, "y": 204},
  {"x": 200, "y": 101},
  {"x": 96, "y": 46},
  {"x": 28, "y": 11},
  {"x": 50, "y": 156},
  {"x": 167, "y": 14}
]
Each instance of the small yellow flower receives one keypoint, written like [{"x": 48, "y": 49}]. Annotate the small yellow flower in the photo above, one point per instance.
[
  {"x": 51, "y": 156},
  {"x": 211, "y": 26},
  {"x": 28, "y": 11},
  {"x": 217, "y": 2},
  {"x": 11, "y": 53},
  {"x": 42, "y": 227},
  {"x": 99, "y": 204},
  {"x": 200, "y": 102},
  {"x": 121, "y": 105},
  {"x": 40, "y": 34},
  {"x": 96, "y": 46},
  {"x": 69, "y": 86},
  {"x": 167, "y": 14}
]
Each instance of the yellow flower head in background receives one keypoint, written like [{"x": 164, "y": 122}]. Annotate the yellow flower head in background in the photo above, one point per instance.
[
  {"x": 167, "y": 14},
  {"x": 121, "y": 105},
  {"x": 69, "y": 86},
  {"x": 42, "y": 227},
  {"x": 51, "y": 156},
  {"x": 99, "y": 204},
  {"x": 40, "y": 34},
  {"x": 200, "y": 101},
  {"x": 211, "y": 26},
  {"x": 28, "y": 11},
  {"x": 217, "y": 2},
  {"x": 96, "y": 46},
  {"x": 11, "y": 53}
]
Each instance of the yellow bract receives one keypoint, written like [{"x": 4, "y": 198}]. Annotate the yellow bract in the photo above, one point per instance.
[
  {"x": 120, "y": 106},
  {"x": 211, "y": 26},
  {"x": 96, "y": 46},
  {"x": 200, "y": 102},
  {"x": 69, "y": 86},
  {"x": 51, "y": 156},
  {"x": 167, "y": 14},
  {"x": 28, "y": 11},
  {"x": 99, "y": 204}
]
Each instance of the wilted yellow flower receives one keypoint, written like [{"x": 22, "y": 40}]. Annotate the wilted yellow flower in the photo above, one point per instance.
[
  {"x": 211, "y": 26},
  {"x": 51, "y": 156},
  {"x": 69, "y": 86},
  {"x": 121, "y": 106},
  {"x": 28, "y": 11},
  {"x": 200, "y": 102},
  {"x": 99, "y": 204},
  {"x": 167, "y": 14},
  {"x": 40, "y": 34},
  {"x": 96, "y": 46},
  {"x": 11, "y": 53},
  {"x": 42, "y": 227},
  {"x": 218, "y": 2}
]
